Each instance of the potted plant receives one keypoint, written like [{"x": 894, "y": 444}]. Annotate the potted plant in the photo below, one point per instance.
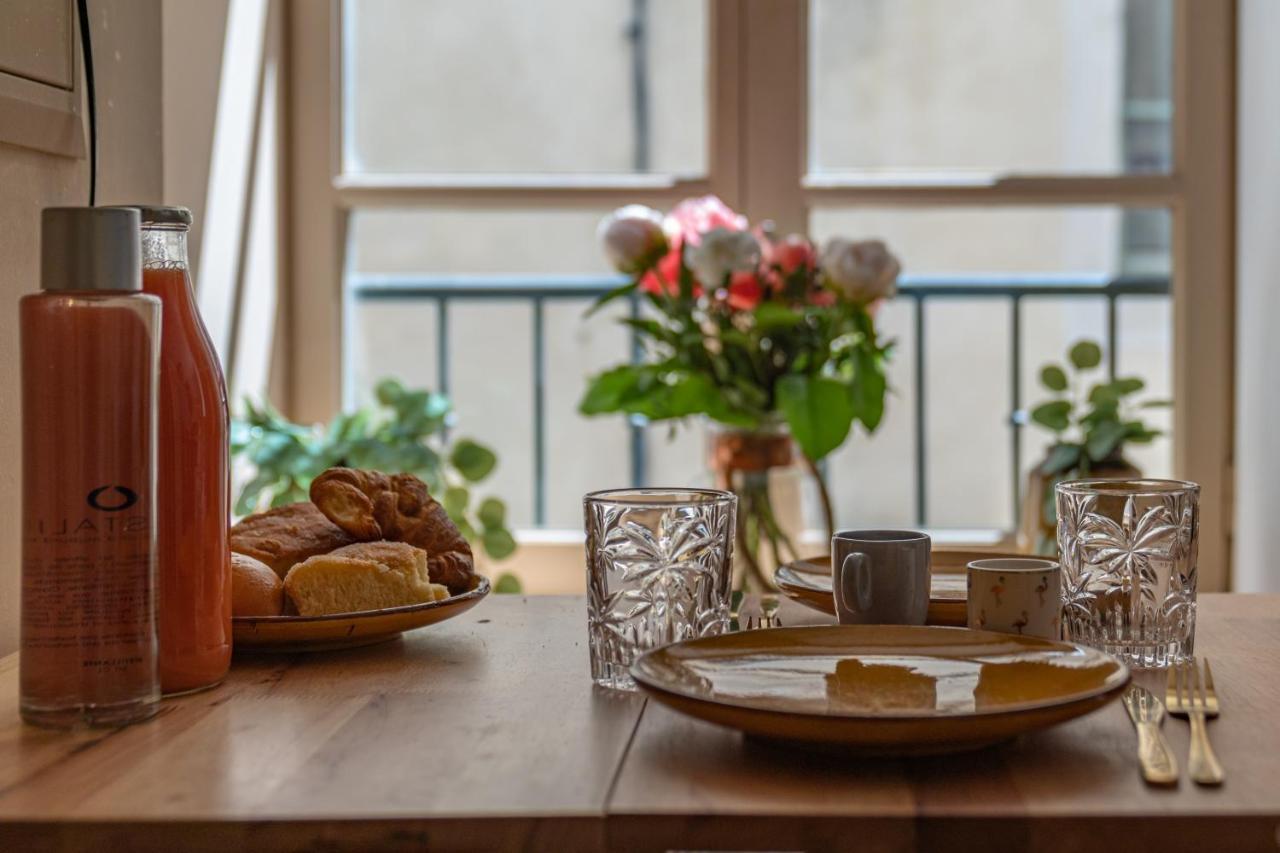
[
  {"x": 404, "y": 432},
  {"x": 1092, "y": 420},
  {"x": 770, "y": 339}
]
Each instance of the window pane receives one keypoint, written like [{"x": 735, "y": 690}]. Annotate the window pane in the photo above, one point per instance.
[
  {"x": 1092, "y": 239},
  {"x": 509, "y": 86},
  {"x": 999, "y": 86},
  {"x": 490, "y": 370},
  {"x": 440, "y": 241},
  {"x": 969, "y": 360}
]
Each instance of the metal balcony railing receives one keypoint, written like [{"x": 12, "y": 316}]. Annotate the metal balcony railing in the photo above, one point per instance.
[{"x": 1012, "y": 290}]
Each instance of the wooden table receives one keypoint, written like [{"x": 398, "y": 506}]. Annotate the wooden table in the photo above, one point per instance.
[{"x": 485, "y": 733}]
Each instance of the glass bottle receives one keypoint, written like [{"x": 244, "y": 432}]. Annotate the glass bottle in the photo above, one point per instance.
[
  {"x": 90, "y": 347},
  {"x": 193, "y": 475}
]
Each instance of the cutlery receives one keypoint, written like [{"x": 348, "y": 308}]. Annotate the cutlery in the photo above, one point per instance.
[
  {"x": 1159, "y": 767},
  {"x": 766, "y": 620},
  {"x": 1187, "y": 696},
  {"x": 758, "y": 612}
]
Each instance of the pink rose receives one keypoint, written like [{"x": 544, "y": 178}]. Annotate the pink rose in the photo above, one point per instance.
[
  {"x": 632, "y": 237},
  {"x": 693, "y": 217},
  {"x": 791, "y": 254},
  {"x": 745, "y": 291}
]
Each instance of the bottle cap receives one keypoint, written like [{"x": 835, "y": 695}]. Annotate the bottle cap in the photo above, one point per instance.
[
  {"x": 90, "y": 248},
  {"x": 162, "y": 215}
]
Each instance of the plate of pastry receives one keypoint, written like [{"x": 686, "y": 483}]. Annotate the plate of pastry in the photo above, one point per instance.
[{"x": 370, "y": 556}]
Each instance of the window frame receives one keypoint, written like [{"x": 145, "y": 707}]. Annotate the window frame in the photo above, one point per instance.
[{"x": 757, "y": 162}]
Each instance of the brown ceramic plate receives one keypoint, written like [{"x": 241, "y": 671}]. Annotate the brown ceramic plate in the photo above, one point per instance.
[
  {"x": 347, "y": 630},
  {"x": 809, "y": 582},
  {"x": 887, "y": 689}
]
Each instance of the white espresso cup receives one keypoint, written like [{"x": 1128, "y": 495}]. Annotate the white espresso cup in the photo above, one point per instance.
[{"x": 1016, "y": 595}]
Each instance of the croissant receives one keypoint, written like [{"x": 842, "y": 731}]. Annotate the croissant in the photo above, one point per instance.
[{"x": 370, "y": 505}]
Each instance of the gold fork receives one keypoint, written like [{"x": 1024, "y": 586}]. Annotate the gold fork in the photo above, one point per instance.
[
  {"x": 1155, "y": 758},
  {"x": 1186, "y": 695},
  {"x": 768, "y": 620}
]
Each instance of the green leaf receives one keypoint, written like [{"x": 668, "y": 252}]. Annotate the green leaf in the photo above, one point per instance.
[
  {"x": 609, "y": 391},
  {"x": 1085, "y": 355},
  {"x": 819, "y": 411},
  {"x": 389, "y": 391},
  {"x": 868, "y": 390},
  {"x": 1140, "y": 433},
  {"x": 249, "y": 495},
  {"x": 1062, "y": 457},
  {"x": 492, "y": 513},
  {"x": 771, "y": 316},
  {"x": 507, "y": 584},
  {"x": 652, "y": 328},
  {"x": 617, "y": 293},
  {"x": 1103, "y": 439},
  {"x": 1155, "y": 404},
  {"x": 473, "y": 461},
  {"x": 498, "y": 543},
  {"x": 1053, "y": 377},
  {"x": 1104, "y": 394},
  {"x": 1128, "y": 385},
  {"x": 418, "y": 458},
  {"x": 455, "y": 501},
  {"x": 1056, "y": 415}
]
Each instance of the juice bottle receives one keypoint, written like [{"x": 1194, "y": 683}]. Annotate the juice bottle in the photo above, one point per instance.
[
  {"x": 194, "y": 489},
  {"x": 90, "y": 349}
]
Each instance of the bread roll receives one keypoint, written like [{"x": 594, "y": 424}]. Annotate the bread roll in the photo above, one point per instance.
[
  {"x": 287, "y": 535},
  {"x": 256, "y": 590},
  {"x": 363, "y": 576}
]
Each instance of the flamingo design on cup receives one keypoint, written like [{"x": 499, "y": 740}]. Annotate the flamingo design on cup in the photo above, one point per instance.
[{"x": 1019, "y": 595}]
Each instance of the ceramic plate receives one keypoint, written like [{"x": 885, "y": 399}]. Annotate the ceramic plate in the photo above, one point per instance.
[
  {"x": 888, "y": 689},
  {"x": 809, "y": 582},
  {"x": 347, "y": 630}
]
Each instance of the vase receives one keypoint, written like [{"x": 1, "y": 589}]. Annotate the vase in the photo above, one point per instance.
[
  {"x": 770, "y": 476},
  {"x": 1038, "y": 530}
]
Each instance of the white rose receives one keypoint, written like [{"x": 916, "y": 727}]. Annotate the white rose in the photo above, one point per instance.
[
  {"x": 864, "y": 270},
  {"x": 632, "y": 237},
  {"x": 720, "y": 253}
]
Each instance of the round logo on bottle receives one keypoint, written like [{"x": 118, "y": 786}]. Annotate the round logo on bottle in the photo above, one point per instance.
[{"x": 112, "y": 498}]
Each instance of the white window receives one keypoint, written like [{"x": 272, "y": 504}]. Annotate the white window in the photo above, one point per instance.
[{"x": 1046, "y": 172}]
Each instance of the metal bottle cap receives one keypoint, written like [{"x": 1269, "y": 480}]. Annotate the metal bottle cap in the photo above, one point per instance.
[
  {"x": 90, "y": 248},
  {"x": 163, "y": 215}
]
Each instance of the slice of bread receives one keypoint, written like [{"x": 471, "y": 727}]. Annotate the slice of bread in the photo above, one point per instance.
[{"x": 363, "y": 576}]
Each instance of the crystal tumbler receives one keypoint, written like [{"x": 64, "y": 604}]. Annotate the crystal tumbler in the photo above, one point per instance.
[
  {"x": 1128, "y": 551},
  {"x": 659, "y": 565}
]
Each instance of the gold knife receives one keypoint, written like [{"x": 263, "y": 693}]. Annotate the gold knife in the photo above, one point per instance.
[{"x": 1159, "y": 767}]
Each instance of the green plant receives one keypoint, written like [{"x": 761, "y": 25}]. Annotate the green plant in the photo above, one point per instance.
[
  {"x": 1093, "y": 426},
  {"x": 404, "y": 432},
  {"x": 1092, "y": 418}
]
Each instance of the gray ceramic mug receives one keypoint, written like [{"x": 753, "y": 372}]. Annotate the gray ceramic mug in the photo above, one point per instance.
[{"x": 880, "y": 577}]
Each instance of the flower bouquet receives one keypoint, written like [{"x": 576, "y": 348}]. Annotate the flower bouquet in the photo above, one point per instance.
[{"x": 764, "y": 335}]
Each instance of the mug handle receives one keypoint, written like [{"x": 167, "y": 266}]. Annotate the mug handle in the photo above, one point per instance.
[{"x": 853, "y": 586}]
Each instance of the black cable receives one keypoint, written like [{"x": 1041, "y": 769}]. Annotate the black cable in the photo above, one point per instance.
[{"x": 86, "y": 46}]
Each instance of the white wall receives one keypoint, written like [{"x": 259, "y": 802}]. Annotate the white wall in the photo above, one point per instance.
[
  {"x": 191, "y": 53},
  {"x": 1257, "y": 453},
  {"x": 126, "y": 40}
]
